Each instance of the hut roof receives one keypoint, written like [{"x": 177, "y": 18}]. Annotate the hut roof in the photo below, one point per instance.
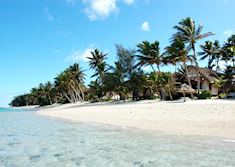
[{"x": 209, "y": 74}]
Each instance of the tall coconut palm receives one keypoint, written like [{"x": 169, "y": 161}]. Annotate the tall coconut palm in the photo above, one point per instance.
[
  {"x": 118, "y": 80},
  {"x": 149, "y": 55},
  {"x": 68, "y": 87},
  {"x": 190, "y": 34},
  {"x": 211, "y": 51},
  {"x": 97, "y": 63},
  {"x": 166, "y": 82},
  {"x": 177, "y": 52},
  {"x": 207, "y": 53},
  {"x": 62, "y": 83},
  {"x": 77, "y": 76},
  {"x": 229, "y": 50},
  {"x": 48, "y": 90},
  {"x": 218, "y": 52}
]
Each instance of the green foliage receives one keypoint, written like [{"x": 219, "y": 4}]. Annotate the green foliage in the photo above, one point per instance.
[
  {"x": 190, "y": 34},
  {"x": 95, "y": 91},
  {"x": 149, "y": 54},
  {"x": 67, "y": 87},
  {"x": 222, "y": 95},
  {"x": 152, "y": 97},
  {"x": 211, "y": 51},
  {"x": 19, "y": 101},
  {"x": 205, "y": 94},
  {"x": 127, "y": 78}
]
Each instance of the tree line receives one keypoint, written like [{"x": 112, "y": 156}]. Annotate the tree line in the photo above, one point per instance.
[{"x": 126, "y": 78}]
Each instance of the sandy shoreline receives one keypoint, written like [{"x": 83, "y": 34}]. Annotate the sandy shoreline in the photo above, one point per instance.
[{"x": 201, "y": 117}]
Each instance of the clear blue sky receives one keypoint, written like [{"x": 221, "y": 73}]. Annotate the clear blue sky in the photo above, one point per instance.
[{"x": 39, "y": 39}]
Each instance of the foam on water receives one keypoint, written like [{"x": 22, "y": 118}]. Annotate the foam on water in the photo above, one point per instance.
[{"x": 28, "y": 140}]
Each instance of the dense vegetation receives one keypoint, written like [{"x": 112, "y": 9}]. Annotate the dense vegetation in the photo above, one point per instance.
[{"x": 126, "y": 79}]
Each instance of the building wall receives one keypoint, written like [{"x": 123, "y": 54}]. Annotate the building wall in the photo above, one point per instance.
[
  {"x": 205, "y": 85},
  {"x": 214, "y": 91}
]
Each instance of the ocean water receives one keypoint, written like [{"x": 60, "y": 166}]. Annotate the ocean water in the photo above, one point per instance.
[{"x": 29, "y": 140}]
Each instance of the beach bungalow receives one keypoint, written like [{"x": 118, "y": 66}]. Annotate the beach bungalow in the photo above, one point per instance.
[{"x": 208, "y": 78}]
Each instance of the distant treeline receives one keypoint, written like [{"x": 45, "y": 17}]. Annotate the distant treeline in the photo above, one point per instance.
[{"x": 126, "y": 79}]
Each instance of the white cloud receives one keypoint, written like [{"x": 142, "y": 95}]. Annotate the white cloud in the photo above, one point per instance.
[
  {"x": 77, "y": 55},
  {"x": 129, "y": 2},
  {"x": 48, "y": 14},
  {"x": 145, "y": 26},
  {"x": 100, "y": 9},
  {"x": 228, "y": 33}
]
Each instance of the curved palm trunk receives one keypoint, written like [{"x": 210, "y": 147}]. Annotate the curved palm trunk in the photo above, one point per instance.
[
  {"x": 163, "y": 95},
  {"x": 67, "y": 97},
  {"x": 209, "y": 62},
  {"x": 161, "y": 89},
  {"x": 77, "y": 94},
  {"x": 72, "y": 94},
  {"x": 197, "y": 68},
  {"x": 169, "y": 91},
  {"x": 49, "y": 96},
  {"x": 217, "y": 65},
  {"x": 81, "y": 91},
  {"x": 189, "y": 81}
]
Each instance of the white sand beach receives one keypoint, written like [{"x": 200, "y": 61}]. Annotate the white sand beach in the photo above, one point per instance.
[{"x": 199, "y": 117}]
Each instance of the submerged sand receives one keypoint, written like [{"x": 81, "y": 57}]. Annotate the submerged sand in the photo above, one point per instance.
[{"x": 199, "y": 117}]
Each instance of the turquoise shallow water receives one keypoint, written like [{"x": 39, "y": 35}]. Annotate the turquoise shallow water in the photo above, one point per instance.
[{"x": 28, "y": 140}]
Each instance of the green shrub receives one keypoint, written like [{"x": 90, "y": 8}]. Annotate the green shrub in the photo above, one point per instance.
[
  {"x": 152, "y": 97},
  {"x": 205, "y": 94},
  {"x": 222, "y": 95}
]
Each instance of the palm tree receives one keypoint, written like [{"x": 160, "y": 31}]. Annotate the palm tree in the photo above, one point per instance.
[
  {"x": 149, "y": 54},
  {"x": 94, "y": 91},
  {"x": 48, "y": 90},
  {"x": 229, "y": 50},
  {"x": 190, "y": 34},
  {"x": 118, "y": 80},
  {"x": 64, "y": 84},
  {"x": 207, "y": 53},
  {"x": 218, "y": 52},
  {"x": 77, "y": 76},
  {"x": 211, "y": 51},
  {"x": 137, "y": 83},
  {"x": 166, "y": 82},
  {"x": 177, "y": 52},
  {"x": 97, "y": 63}
]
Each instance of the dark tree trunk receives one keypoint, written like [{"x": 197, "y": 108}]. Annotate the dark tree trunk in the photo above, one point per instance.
[
  {"x": 189, "y": 81},
  {"x": 197, "y": 68}
]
